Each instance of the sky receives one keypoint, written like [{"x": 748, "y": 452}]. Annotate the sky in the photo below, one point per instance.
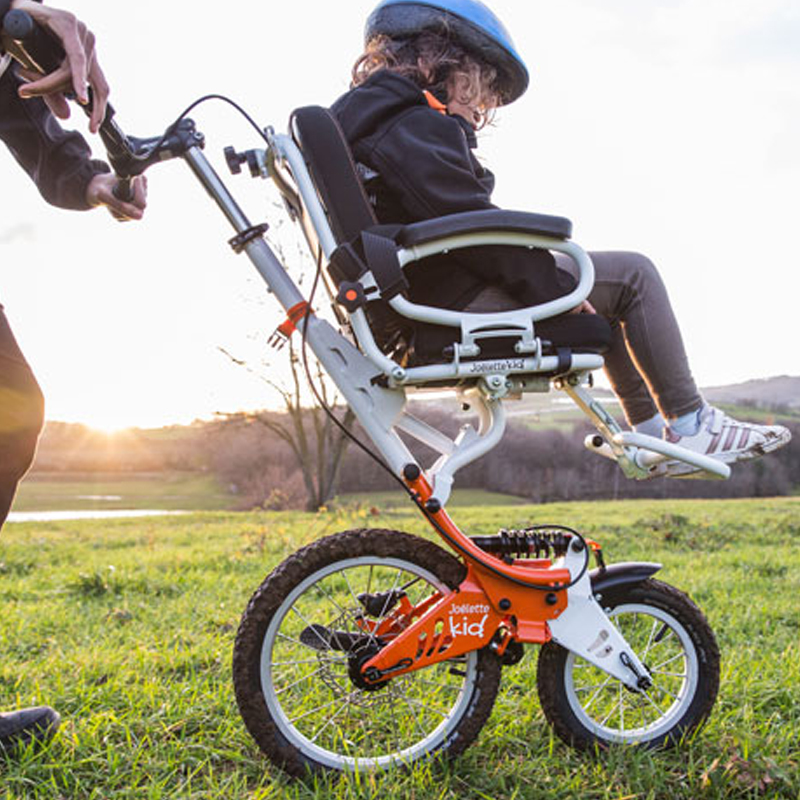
[{"x": 670, "y": 127}]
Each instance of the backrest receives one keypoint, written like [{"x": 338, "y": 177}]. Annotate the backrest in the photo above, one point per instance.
[{"x": 333, "y": 170}]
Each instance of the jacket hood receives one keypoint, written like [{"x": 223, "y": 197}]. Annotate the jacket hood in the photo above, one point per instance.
[{"x": 383, "y": 97}]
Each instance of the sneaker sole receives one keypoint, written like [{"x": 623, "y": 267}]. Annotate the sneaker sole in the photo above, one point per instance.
[{"x": 678, "y": 469}]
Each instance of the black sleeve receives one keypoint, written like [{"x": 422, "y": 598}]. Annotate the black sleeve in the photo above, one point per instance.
[
  {"x": 426, "y": 163},
  {"x": 59, "y": 162}
]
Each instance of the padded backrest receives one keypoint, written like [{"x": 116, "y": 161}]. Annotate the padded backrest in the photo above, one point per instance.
[{"x": 333, "y": 170}]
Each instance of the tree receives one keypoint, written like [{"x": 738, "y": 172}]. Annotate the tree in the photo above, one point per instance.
[{"x": 316, "y": 441}]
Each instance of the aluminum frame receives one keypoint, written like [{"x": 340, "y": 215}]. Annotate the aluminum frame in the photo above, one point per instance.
[{"x": 375, "y": 386}]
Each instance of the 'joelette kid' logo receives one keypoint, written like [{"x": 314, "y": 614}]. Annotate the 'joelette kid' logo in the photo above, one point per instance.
[{"x": 462, "y": 620}]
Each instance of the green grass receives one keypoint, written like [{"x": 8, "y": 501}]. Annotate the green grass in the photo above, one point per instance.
[
  {"x": 188, "y": 491},
  {"x": 126, "y": 626}
]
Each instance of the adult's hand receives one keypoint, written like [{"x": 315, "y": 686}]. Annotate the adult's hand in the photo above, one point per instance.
[
  {"x": 79, "y": 70},
  {"x": 100, "y": 192}
]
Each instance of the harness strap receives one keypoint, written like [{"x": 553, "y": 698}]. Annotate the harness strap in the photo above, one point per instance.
[
  {"x": 564, "y": 355},
  {"x": 373, "y": 251},
  {"x": 380, "y": 254}
]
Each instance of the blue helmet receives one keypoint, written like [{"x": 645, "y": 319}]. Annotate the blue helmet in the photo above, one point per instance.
[{"x": 470, "y": 23}]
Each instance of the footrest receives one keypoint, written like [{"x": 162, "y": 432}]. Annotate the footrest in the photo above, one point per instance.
[{"x": 650, "y": 452}]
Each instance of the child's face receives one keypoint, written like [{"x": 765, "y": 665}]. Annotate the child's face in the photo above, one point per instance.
[{"x": 466, "y": 98}]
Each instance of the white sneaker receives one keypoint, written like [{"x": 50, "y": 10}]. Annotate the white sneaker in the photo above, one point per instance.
[{"x": 726, "y": 439}]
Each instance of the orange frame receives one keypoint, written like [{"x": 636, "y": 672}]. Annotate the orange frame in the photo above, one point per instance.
[{"x": 497, "y": 602}]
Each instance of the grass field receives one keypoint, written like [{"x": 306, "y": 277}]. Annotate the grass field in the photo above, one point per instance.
[
  {"x": 169, "y": 491},
  {"x": 126, "y": 626},
  {"x": 184, "y": 491}
]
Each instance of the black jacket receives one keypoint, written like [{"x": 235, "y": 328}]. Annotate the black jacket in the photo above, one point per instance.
[
  {"x": 417, "y": 164},
  {"x": 58, "y": 161}
]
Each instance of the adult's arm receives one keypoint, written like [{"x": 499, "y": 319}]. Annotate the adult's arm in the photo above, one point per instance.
[{"x": 58, "y": 161}]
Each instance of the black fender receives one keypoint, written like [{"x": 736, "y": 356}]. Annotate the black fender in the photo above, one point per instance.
[{"x": 626, "y": 573}]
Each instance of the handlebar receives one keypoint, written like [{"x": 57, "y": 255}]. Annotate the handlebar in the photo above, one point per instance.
[{"x": 37, "y": 49}]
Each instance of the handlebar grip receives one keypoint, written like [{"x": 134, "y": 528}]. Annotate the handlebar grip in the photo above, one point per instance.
[
  {"x": 43, "y": 49},
  {"x": 124, "y": 190}
]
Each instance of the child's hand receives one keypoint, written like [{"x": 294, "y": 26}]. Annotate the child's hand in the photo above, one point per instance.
[
  {"x": 100, "y": 192},
  {"x": 584, "y": 308}
]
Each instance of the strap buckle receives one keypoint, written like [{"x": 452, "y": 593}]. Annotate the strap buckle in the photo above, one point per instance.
[{"x": 283, "y": 332}]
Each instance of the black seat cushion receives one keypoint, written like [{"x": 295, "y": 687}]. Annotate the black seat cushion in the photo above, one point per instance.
[
  {"x": 580, "y": 333},
  {"x": 482, "y": 221}
]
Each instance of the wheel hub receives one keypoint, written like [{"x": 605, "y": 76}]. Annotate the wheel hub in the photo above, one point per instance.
[{"x": 356, "y": 660}]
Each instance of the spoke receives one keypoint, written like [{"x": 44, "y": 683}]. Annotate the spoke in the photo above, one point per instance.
[
  {"x": 682, "y": 675},
  {"x": 406, "y": 586},
  {"x": 664, "y": 691},
  {"x": 307, "y": 661},
  {"x": 299, "y": 680},
  {"x": 597, "y": 693},
  {"x": 309, "y": 626},
  {"x": 654, "y": 704},
  {"x": 621, "y": 709},
  {"x": 668, "y": 661},
  {"x": 349, "y": 587},
  {"x": 414, "y": 715},
  {"x": 610, "y": 713},
  {"x": 331, "y": 719},
  {"x": 423, "y": 682},
  {"x": 371, "y": 634},
  {"x": 369, "y": 578},
  {"x": 389, "y": 596},
  {"x": 420, "y": 704},
  {"x": 650, "y": 638},
  {"x": 313, "y": 711},
  {"x": 372, "y": 637},
  {"x": 665, "y": 632},
  {"x": 395, "y": 728},
  {"x": 293, "y": 640},
  {"x": 348, "y": 615}
]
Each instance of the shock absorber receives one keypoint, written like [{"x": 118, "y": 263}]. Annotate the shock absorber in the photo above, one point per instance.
[{"x": 537, "y": 541}]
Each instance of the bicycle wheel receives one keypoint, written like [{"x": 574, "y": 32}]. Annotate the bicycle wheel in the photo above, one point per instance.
[
  {"x": 587, "y": 707},
  {"x": 302, "y": 639}
]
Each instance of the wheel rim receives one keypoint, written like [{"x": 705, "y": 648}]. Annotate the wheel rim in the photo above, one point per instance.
[
  {"x": 611, "y": 712},
  {"x": 315, "y": 704}
]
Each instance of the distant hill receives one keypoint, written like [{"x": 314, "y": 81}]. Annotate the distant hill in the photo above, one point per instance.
[
  {"x": 70, "y": 447},
  {"x": 783, "y": 390}
]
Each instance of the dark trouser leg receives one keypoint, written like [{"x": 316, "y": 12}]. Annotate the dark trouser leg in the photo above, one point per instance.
[
  {"x": 21, "y": 416},
  {"x": 647, "y": 364}
]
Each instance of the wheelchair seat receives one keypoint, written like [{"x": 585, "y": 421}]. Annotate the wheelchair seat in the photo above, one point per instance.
[
  {"x": 578, "y": 333},
  {"x": 350, "y": 216}
]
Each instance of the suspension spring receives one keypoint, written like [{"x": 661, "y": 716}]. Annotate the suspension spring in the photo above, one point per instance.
[{"x": 538, "y": 541}]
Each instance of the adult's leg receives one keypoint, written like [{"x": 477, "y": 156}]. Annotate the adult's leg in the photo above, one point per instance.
[
  {"x": 647, "y": 364},
  {"x": 21, "y": 416}
]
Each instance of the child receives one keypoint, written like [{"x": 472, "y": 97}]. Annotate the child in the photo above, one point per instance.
[{"x": 431, "y": 75}]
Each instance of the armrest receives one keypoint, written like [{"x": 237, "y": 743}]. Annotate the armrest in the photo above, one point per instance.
[{"x": 495, "y": 220}]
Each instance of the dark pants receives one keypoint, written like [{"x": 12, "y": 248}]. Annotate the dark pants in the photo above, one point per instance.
[
  {"x": 647, "y": 364},
  {"x": 21, "y": 416}
]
